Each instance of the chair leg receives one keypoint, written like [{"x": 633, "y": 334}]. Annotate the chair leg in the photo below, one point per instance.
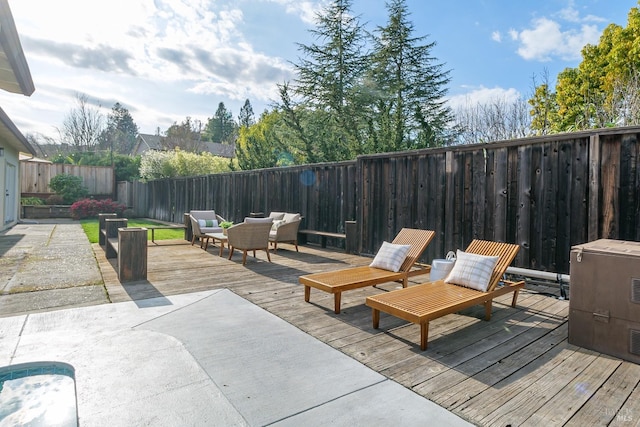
[
  {"x": 230, "y": 251},
  {"x": 296, "y": 244},
  {"x": 244, "y": 257},
  {"x": 193, "y": 239},
  {"x": 307, "y": 293},
  {"x": 268, "y": 256}
]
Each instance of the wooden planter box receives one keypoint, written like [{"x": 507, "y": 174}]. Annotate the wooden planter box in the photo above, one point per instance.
[{"x": 46, "y": 211}]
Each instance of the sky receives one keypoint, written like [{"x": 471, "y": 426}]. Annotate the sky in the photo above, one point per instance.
[{"x": 166, "y": 60}]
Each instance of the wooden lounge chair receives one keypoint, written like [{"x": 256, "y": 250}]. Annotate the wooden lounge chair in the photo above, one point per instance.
[
  {"x": 336, "y": 282},
  {"x": 422, "y": 303}
]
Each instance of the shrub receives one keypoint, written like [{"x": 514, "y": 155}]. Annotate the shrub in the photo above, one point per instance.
[
  {"x": 69, "y": 187},
  {"x": 54, "y": 199},
  {"x": 31, "y": 201},
  {"x": 89, "y": 208}
]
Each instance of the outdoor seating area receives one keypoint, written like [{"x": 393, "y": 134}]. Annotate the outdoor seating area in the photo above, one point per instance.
[{"x": 518, "y": 367}]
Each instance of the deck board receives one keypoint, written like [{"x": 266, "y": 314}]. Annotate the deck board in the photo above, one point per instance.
[{"x": 517, "y": 368}]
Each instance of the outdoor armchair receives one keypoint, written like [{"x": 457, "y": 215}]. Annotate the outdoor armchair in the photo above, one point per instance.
[
  {"x": 285, "y": 230},
  {"x": 251, "y": 235},
  {"x": 203, "y": 222}
]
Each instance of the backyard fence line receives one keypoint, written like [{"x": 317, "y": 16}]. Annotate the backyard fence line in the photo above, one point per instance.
[{"x": 544, "y": 193}]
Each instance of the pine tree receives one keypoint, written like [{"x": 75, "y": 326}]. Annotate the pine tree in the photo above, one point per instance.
[
  {"x": 329, "y": 76},
  {"x": 121, "y": 131},
  {"x": 246, "y": 117},
  {"x": 410, "y": 87},
  {"x": 220, "y": 128}
]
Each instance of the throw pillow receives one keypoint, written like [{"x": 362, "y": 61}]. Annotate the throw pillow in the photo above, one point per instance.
[
  {"x": 289, "y": 217},
  {"x": 472, "y": 270},
  {"x": 390, "y": 256},
  {"x": 208, "y": 223},
  {"x": 258, "y": 220},
  {"x": 277, "y": 223},
  {"x": 276, "y": 215}
]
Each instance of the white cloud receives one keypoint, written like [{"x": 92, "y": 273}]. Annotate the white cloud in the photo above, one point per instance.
[
  {"x": 571, "y": 14},
  {"x": 546, "y": 40},
  {"x": 483, "y": 95},
  {"x": 305, "y": 10},
  {"x": 496, "y": 36}
]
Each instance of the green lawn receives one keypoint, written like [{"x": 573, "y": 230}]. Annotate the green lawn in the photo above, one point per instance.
[{"x": 90, "y": 227}]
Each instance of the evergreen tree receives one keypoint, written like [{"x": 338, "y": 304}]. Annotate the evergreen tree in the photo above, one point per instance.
[
  {"x": 410, "y": 87},
  {"x": 329, "y": 79},
  {"x": 220, "y": 128},
  {"x": 246, "y": 117},
  {"x": 121, "y": 131}
]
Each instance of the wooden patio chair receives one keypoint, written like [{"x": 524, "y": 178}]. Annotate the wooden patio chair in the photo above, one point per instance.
[
  {"x": 422, "y": 303},
  {"x": 336, "y": 282}
]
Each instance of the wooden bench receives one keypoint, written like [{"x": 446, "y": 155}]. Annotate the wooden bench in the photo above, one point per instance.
[
  {"x": 350, "y": 236},
  {"x": 153, "y": 228},
  {"x": 323, "y": 236},
  {"x": 127, "y": 244}
]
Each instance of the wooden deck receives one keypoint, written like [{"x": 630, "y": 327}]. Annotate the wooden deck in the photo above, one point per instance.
[{"x": 516, "y": 369}]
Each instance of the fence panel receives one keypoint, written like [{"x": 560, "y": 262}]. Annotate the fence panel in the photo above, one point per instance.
[
  {"x": 546, "y": 194},
  {"x": 35, "y": 178}
]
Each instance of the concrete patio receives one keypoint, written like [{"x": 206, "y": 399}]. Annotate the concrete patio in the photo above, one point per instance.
[{"x": 206, "y": 357}]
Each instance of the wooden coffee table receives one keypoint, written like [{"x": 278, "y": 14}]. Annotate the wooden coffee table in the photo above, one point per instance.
[{"x": 219, "y": 237}]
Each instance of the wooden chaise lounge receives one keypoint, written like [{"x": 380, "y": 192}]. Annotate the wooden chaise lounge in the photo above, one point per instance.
[
  {"x": 336, "y": 282},
  {"x": 422, "y": 303}
]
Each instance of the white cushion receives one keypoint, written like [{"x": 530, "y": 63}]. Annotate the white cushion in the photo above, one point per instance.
[
  {"x": 390, "y": 256},
  {"x": 277, "y": 223},
  {"x": 472, "y": 270},
  {"x": 276, "y": 215},
  {"x": 257, "y": 220},
  {"x": 207, "y": 223},
  {"x": 290, "y": 217}
]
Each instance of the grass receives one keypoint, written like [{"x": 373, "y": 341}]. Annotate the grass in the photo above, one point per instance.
[{"x": 90, "y": 227}]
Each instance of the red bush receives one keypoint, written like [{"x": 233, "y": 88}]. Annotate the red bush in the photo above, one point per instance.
[{"x": 88, "y": 208}]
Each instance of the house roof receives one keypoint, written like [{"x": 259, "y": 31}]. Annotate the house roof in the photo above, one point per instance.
[
  {"x": 222, "y": 150},
  {"x": 145, "y": 142},
  {"x": 154, "y": 142},
  {"x": 15, "y": 77}
]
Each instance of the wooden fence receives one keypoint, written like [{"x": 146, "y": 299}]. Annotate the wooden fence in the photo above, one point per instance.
[
  {"x": 35, "y": 178},
  {"x": 546, "y": 194}
]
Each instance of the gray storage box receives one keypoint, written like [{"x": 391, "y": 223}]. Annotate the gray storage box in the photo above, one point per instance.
[{"x": 604, "y": 309}]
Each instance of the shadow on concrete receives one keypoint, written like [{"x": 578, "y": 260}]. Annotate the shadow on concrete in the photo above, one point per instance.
[{"x": 8, "y": 241}]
